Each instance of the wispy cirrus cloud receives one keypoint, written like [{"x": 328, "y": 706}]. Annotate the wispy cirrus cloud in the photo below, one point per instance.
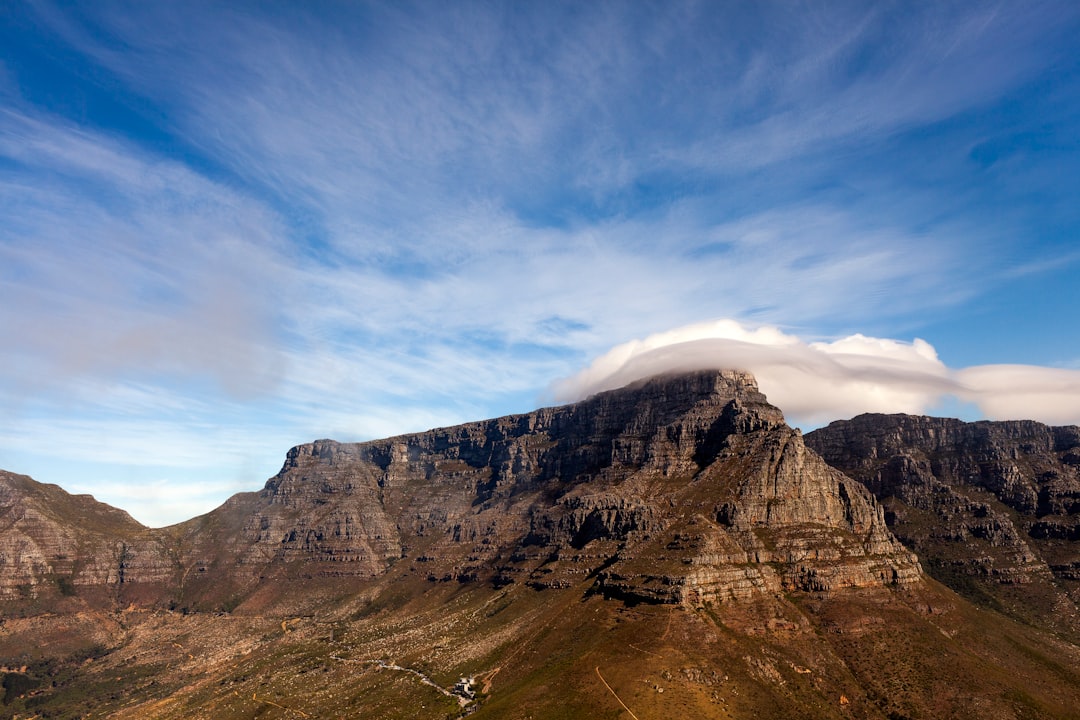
[
  {"x": 119, "y": 262},
  {"x": 176, "y": 279},
  {"x": 359, "y": 220},
  {"x": 617, "y": 99}
]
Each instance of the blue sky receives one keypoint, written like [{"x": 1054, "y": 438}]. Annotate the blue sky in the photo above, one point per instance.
[{"x": 228, "y": 228}]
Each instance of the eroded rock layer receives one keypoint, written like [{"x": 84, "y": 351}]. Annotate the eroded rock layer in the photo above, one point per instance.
[
  {"x": 54, "y": 543},
  {"x": 679, "y": 489},
  {"x": 993, "y": 508}
]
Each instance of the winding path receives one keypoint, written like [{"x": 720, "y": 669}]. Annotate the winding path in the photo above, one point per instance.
[{"x": 462, "y": 700}]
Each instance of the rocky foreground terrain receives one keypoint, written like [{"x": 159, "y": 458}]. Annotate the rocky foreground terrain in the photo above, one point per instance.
[{"x": 669, "y": 549}]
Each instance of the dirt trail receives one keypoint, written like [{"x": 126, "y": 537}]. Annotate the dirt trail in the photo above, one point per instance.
[
  {"x": 462, "y": 700},
  {"x": 486, "y": 679},
  {"x": 615, "y": 694},
  {"x": 668, "y": 628}
]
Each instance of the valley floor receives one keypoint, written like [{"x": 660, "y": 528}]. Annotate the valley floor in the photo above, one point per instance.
[{"x": 917, "y": 653}]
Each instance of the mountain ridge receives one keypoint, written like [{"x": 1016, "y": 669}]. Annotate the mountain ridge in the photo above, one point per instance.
[
  {"x": 993, "y": 507},
  {"x": 543, "y": 497},
  {"x": 676, "y": 531}
]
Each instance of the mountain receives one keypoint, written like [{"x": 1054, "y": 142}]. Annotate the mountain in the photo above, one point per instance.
[
  {"x": 672, "y": 548},
  {"x": 695, "y": 473},
  {"x": 991, "y": 508},
  {"x": 53, "y": 544}
]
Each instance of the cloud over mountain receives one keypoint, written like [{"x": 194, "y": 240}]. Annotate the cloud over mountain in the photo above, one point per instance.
[{"x": 814, "y": 382}]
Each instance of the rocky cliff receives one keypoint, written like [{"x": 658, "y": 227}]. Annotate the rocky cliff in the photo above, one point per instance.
[
  {"x": 54, "y": 544},
  {"x": 678, "y": 489},
  {"x": 992, "y": 508}
]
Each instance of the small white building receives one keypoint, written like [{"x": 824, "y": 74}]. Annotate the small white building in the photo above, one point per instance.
[{"x": 464, "y": 688}]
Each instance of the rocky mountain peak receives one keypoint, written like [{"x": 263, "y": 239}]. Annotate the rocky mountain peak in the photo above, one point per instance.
[
  {"x": 693, "y": 386},
  {"x": 680, "y": 488}
]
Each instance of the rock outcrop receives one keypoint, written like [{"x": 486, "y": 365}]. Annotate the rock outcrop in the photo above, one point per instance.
[{"x": 989, "y": 506}]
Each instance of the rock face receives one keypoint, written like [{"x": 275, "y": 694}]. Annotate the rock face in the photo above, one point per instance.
[
  {"x": 987, "y": 505},
  {"x": 680, "y": 489},
  {"x": 366, "y": 578},
  {"x": 56, "y": 544}
]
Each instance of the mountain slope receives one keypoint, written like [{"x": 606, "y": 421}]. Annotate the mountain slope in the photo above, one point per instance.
[
  {"x": 993, "y": 508},
  {"x": 53, "y": 544},
  {"x": 669, "y": 549}
]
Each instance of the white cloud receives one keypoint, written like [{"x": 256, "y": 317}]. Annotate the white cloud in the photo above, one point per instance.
[
  {"x": 814, "y": 382},
  {"x": 120, "y": 262},
  {"x": 1051, "y": 395}
]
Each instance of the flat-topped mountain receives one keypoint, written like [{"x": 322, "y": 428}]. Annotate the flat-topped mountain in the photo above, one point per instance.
[
  {"x": 684, "y": 488},
  {"x": 678, "y": 489},
  {"x": 668, "y": 549}
]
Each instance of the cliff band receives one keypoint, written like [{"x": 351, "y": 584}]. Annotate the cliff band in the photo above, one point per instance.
[{"x": 679, "y": 489}]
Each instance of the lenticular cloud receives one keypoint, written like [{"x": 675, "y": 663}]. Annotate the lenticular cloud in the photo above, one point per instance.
[{"x": 820, "y": 381}]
